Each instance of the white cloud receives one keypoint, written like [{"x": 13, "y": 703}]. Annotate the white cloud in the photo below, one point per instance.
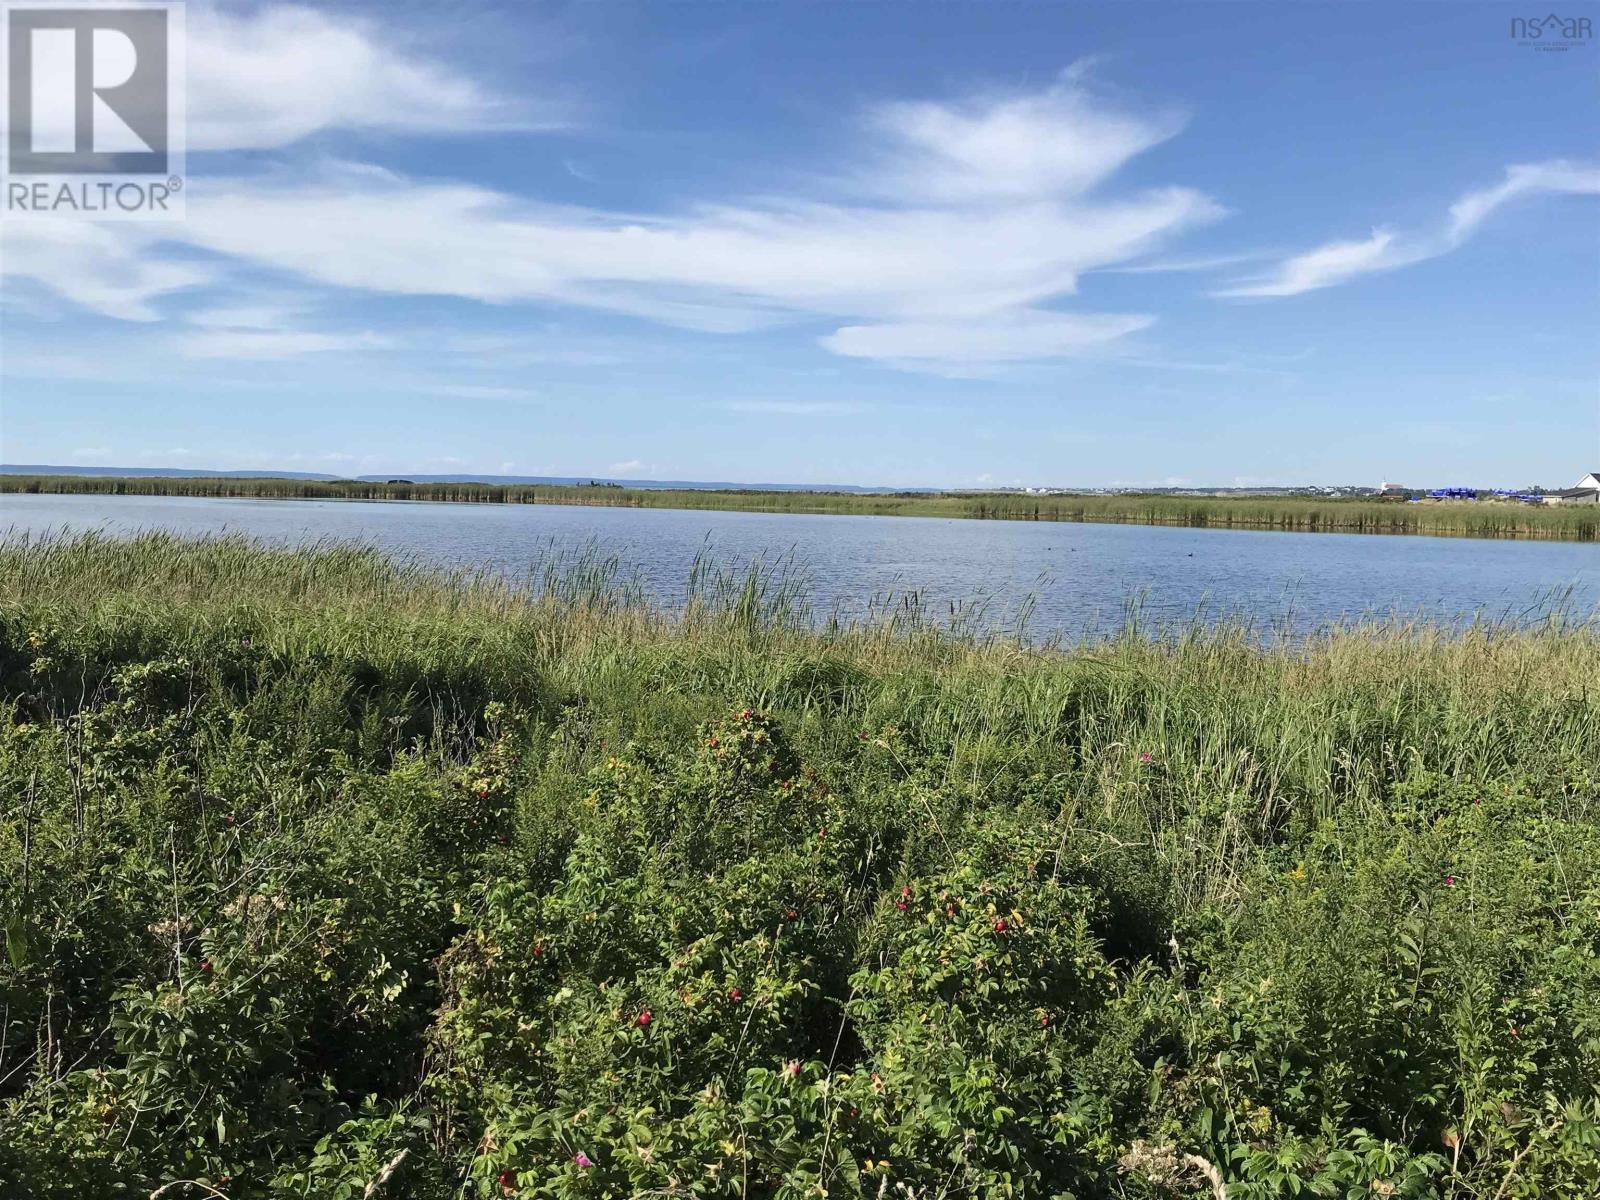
[
  {"x": 1384, "y": 250},
  {"x": 1058, "y": 142},
  {"x": 106, "y": 269},
  {"x": 244, "y": 316},
  {"x": 266, "y": 344},
  {"x": 1163, "y": 266},
  {"x": 1330, "y": 264},
  {"x": 1012, "y": 337},
  {"x": 631, "y": 467},
  {"x": 933, "y": 254},
  {"x": 726, "y": 269},
  {"x": 268, "y": 76},
  {"x": 275, "y": 75},
  {"x": 1557, "y": 177}
]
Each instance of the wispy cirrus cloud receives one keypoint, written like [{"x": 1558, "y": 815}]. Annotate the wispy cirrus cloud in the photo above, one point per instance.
[
  {"x": 105, "y": 269},
  {"x": 262, "y": 331},
  {"x": 266, "y": 77},
  {"x": 1386, "y": 250},
  {"x": 1551, "y": 178},
  {"x": 273, "y": 344},
  {"x": 983, "y": 212},
  {"x": 1008, "y": 337},
  {"x": 262, "y": 77},
  {"x": 1196, "y": 263},
  {"x": 1059, "y": 141}
]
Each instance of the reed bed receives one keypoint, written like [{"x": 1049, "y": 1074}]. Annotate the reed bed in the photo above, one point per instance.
[{"x": 1286, "y": 513}]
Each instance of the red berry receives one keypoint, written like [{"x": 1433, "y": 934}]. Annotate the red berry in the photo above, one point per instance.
[
  {"x": 1044, "y": 1021},
  {"x": 644, "y": 1017},
  {"x": 949, "y": 910},
  {"x": 538, "y": 949},
  {"x": 733, "y": 994},
  {"x": 508, "y": 1180},
  {"x": 1000, "y": 926},
  {"x": 791, "y": 915},
  {"x": 206, "y": 966},
  {"x": 901, "y": 905}
]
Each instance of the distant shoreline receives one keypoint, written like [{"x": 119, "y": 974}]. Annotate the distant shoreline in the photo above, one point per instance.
[{"x": 1302, "y": 514}]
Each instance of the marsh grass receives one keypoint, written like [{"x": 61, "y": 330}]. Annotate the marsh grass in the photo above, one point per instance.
[
  {"x": 1278, "y": 901},
  {"x": 1304, "y": 514},
  {"x": 1310, "y": 723}
]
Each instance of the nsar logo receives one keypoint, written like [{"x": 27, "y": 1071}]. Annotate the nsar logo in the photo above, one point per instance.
[{"x": 1552, "y": 31}]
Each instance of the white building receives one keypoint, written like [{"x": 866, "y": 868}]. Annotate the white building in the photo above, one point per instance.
[{"x": 1585, "y": 491}]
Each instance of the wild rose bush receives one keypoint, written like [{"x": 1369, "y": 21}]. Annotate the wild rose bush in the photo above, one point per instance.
[{"x": 357, "y": 903}]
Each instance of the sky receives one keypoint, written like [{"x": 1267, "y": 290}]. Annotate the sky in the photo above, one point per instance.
[{"x": 936, "y": 244}]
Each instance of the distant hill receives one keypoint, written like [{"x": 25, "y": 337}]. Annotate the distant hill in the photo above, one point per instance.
[
  {"x": 384, "y": 477},
  {"x": 155, "y": 472}
]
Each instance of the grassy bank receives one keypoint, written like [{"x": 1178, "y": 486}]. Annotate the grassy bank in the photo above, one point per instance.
[
  {"x": 326, "y": 876},
  {"x": 1296, "y": 513}
]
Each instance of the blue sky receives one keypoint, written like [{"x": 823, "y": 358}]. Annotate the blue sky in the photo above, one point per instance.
[{"x": 938, "y": 244}]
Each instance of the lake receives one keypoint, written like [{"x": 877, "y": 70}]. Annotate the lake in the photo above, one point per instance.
[{"x": 1080, "y": 577}]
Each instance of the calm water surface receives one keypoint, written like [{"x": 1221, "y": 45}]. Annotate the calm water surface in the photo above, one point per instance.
[{"x": 1080, "y": 576}]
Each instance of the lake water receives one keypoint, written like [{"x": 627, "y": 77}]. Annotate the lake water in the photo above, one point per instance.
[{"x": 1080, "y": 577}]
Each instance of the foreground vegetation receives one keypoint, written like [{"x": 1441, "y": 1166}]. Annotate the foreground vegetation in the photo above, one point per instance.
[
  {"x": 1308, "y": 514},
  {"x": 326, "y": 876}
]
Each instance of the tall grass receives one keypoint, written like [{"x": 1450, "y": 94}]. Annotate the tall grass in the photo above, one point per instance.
[
  {"x": 1309, "y": 724},
  {"x": 1289, "y": 513},
  {"x": 318, "y": 863}
]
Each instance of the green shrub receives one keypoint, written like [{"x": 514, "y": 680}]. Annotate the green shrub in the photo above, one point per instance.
[{"x": 324, "y": 874}]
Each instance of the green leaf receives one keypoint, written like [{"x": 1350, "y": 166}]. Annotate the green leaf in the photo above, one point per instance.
[{"x": 18, "y": 949}]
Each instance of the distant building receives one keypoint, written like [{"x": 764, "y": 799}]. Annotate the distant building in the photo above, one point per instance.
[
  {"x": 1585, "y": 491},
  {"x": 1392, "y": 489}
]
